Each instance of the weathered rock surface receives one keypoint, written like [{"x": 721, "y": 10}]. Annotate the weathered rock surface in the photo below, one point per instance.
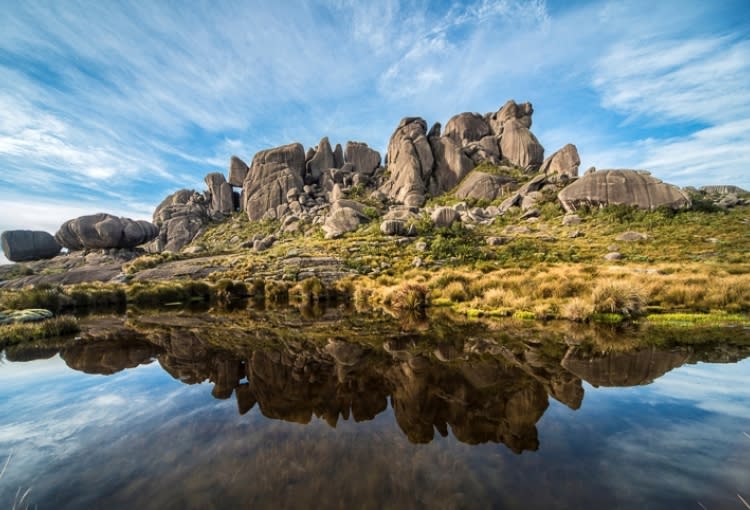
[
  {"x": 237, "y": 171},
  {"x": 180, "y": 218},
  {"x": 410, "y": 162},
  {"x": 363, "y": 159},
  {"x": 519, "y": 146},
  {"x": 483, "y": 186},
  {"x": 341, "y": 220},
  {"x": 24, "y": 245},
  {"x": 564, "y": 162},
  {"x": 450, "y": 165},
  {"x": 467, "y": 127},
  {"x": 220, "y": 193},
  {"x": 322, "y": 160},
  {"x": 626, "y": 187},
  {"x": 617, "y": 369},
  {"x": 444, "y": 217},
  {"x": 272, "y": 174},
  {"x": 104, "y": 231},
  {"x": 393, "y": 227}
]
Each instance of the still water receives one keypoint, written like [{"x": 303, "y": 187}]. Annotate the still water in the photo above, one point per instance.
[{"x": 212, "y": 412}]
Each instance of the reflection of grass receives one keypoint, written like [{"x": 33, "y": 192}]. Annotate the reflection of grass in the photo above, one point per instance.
[
  {"x": 20, "y": 500},
  {"x": 698, "y": 319}
]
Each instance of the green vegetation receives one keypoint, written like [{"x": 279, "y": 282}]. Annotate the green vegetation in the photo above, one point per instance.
[{"x": 24, "y": 332}]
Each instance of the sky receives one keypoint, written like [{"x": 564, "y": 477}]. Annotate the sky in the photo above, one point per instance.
[{"x": 110, "y": 106}]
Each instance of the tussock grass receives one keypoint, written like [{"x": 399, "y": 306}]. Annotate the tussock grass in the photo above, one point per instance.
[
  {"x": 11, "y": 334},
  {"x": 168, "y": 293},
  {"x": 618, "y": 297}
]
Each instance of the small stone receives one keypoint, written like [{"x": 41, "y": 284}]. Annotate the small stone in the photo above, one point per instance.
[
  {"x": 631, "y": 236},
  {"x": 613, "y": 256},
  {"x": 497, "y": 241},
  {"x": 571, "y": 219},
  {"x": 420, "y": 246}
]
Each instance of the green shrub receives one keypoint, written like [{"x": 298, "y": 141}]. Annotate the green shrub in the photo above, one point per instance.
[{"x": 227, "y": 290}]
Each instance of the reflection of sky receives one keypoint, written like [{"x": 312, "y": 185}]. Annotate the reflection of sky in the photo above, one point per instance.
[{"x": 141, "y": 439}]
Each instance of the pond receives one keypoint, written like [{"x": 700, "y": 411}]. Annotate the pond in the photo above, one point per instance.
[{"x": 247, "y": 410}]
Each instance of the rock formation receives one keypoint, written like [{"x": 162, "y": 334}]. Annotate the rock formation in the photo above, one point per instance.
[
  {"x": 237, "y": 171},
  {"x": 220, "y": 196},
  {"x": 483, "y": 186},
  {"x": 104, "y": 231},
  {"x": 180, "y": 218},
  {"x": 417, "y": 168},
  {"x": 322, "y": 159},
  {"x": 622, "y": 187},
  {"x": 24, "y": 245},
  {"x": 563, "y": 163},
  {"x": 410, "y": 162},
  {"x": 363, "y": 159},
  {"x": 273, "y": 173}
]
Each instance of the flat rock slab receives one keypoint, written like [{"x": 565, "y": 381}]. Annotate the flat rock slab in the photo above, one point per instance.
[
  {"x": 191, "y": 268},
  {"x": 84, "y": 274}
]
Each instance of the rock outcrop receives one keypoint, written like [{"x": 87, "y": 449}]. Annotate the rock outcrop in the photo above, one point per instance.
[
  {"x": 104, "y": 231},
  {"x": 410, "y": 162},
  {"x": 180, "y": 218},
  {"x": 273, "y": 173},
  {"x": 25, "y": 245},
  {"x": 321, "y": 160},
  {"x": 483, "y": 186},
  {"x": 622, "y": 187},
  {"x": 418, "y": 168},
  {"x": 466, "y": 128},
  {"x": 363, "y": 159},
  {"x": 563, "y": 163},
  {"x": 220, "y": 196},
  {"x": 237, "y": 171}
]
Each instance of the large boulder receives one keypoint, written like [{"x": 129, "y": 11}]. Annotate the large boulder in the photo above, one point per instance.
[
  {"x": 444, "y": 217},
  {"x": 363, "y": 159},
  {"x": 180, "y": 218},
  {"x": 483, "y": 186},
  {"x": 451, "y": 165},
  {"x": 23, "y": 245},
  {"x": 103, "y": 231},
  {"x": 510, "y": 111},
  {"x": 410, "y": 162},
  {"x": 220, "y": 193},
  {"x": 272, "y": 174},
  {"x": 622, "y": 187},
  {"x": 520, "y": 147},
  {"x": 564, "y": 162},
  {"x": 322, "y": 160},
  {"x": 342, "y": 220},
  {"x": 237, "y": 171},
  {"x": 466, "y": 127}
]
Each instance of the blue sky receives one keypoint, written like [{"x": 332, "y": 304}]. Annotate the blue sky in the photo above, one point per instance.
[{"x": 110, "y": 106}]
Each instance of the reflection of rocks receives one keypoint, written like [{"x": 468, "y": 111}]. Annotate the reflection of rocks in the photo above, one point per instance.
[
  {"x": 109, "y": 355},
  {"x": 480, "y": 389},
  {"x": 625, "y": 368}
]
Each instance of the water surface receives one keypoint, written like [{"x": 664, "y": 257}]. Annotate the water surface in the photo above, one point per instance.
[{"x": 209, "y": 413}]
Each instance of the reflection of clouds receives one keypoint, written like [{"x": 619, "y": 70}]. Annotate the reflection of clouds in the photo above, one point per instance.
[
  {"x": 692, "y": 419},
  {"x": 717, "y": 388}
]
